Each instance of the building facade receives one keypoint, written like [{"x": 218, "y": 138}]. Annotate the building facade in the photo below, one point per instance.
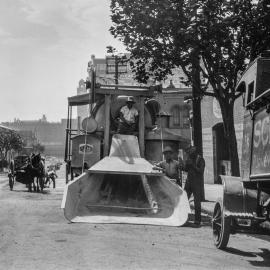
[
  {"x": 215, "y": 146},
  {"x": 50, "y": 134}
]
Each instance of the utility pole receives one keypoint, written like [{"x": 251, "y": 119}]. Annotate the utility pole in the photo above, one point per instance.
[{"x": 196, "y": 96}]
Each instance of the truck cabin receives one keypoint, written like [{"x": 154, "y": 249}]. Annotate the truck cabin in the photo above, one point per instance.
[
  {"x": 255, "y": 86},
  {"x": 245, "y": 204}
]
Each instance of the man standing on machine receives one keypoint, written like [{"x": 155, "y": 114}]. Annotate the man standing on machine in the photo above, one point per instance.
[{"x": 128, "y": 118}]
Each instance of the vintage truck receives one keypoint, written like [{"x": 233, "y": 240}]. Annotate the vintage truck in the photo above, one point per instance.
[{"x": 245, "y": 205}]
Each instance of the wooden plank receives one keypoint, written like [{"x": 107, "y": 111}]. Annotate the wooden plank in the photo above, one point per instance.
[
  {"x": 141, "y": 127},
  {"x": 120, "y": 207},
  {"x": 107, "y": 125},
  {"x": 124, "y": 86},
  {"x": 125, "y": 92},
  {"x": 122, "y": 165},
  {"x": 125, "y": 146}
]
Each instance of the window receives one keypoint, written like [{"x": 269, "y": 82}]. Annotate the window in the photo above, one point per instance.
[
  {"x": 250, "y": 92},
  {"x": 176, "y": 116},
  {"x": 180, "y": 116},
  {"x": 185, "y": 117}
]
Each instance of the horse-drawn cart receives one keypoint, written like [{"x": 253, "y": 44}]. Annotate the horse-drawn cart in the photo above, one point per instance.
[{"x": 25, "y": 169}]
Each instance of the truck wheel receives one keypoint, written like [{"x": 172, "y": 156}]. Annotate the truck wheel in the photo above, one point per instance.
[{"x": 221, "y": 226}]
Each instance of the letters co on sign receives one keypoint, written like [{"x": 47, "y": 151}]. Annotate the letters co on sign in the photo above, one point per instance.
[
  {"x": 86, "y": 149},
  {"x": 261, "y": 144}
]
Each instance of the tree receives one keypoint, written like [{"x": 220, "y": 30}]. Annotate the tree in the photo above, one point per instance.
[
  {"x": 10, "y": 140},
  {"x": 209, "y": 39},
  {"x": 38, "y": 148}
]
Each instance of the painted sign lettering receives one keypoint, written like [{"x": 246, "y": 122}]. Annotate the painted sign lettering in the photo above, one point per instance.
[
  {"x": 261, "y": 144},
  {"x": 86, "y": 149}
]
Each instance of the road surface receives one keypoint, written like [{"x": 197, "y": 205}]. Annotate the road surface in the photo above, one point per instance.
[{"x": 35, "y": 235}]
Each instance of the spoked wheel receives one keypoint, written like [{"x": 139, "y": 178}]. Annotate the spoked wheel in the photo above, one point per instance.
[
  {"x": 221, "y": 227},
  {"x": 11, "y": 181}
]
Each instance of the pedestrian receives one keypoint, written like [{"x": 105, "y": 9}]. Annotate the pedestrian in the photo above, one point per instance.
[
  {"x": 128, "y": 117},
  {"x": 194, "y": 166},
  {"x": 170, "y": 166}
]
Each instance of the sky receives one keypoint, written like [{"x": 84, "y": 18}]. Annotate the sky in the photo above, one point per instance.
[{"x": 45, "y": 46}]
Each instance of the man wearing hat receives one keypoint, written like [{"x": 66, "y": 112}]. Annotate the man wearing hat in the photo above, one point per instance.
[
  {"x": 128, "y": 117},
  {"x": 194, "y": 166},
  {"x": 170, "y": 166}
]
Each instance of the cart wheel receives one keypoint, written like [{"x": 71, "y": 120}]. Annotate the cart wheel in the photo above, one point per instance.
[
  {"x": 221, "y": 226},
  {"x": 11, "y": 181}
]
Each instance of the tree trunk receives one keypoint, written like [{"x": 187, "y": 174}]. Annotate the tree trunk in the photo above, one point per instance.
[
  {"x": 196, "y": 104},
  {"x": 6, "y": 152},
  {"x": 228, "y": 120},
  {"x": 196, "y": 107},
  {"x": 197, "y": 125}
]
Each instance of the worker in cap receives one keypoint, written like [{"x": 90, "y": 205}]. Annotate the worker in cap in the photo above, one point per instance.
[
  {"x": 170, "y": 166},
  {"x": 128, "y": 119},
  {"x": 194, "y": 166}
]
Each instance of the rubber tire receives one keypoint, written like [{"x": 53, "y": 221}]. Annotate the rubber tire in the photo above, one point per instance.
[{"x": 221, "y": 237}]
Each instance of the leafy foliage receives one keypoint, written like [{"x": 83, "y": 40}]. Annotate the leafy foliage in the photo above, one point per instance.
[
  {"x": 10, "y": 140},
  {"x": 216, "y": 38},
  {"x": 165, "y": 34}
]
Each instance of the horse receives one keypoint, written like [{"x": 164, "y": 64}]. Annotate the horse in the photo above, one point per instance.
[{"x": 36, "y": 173}]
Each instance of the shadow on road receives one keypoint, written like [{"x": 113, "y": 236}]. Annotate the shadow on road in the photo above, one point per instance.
[
  {"x": 264, "y": 255},
  {"x": 44, "y": 192},
  {"x": 262, "y": 258},
  {"x": 236, "y": 251}
]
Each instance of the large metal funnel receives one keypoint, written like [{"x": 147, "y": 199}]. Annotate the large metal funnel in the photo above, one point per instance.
[{"x": 123, "y": 188}]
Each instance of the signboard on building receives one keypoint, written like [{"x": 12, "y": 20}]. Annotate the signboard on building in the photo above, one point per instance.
[{"x": 111, "y": 63}]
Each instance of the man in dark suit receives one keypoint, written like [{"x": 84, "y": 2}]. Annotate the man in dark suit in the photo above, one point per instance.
[{"x": 194, "y": 166}]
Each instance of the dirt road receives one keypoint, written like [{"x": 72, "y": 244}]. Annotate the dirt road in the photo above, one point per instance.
[{"x": 35, "y": 235}]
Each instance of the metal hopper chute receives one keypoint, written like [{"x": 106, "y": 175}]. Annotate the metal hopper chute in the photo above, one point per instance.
[{"x": 124, "y": 188}]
